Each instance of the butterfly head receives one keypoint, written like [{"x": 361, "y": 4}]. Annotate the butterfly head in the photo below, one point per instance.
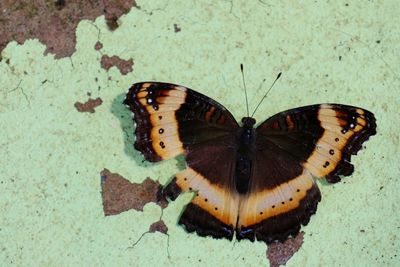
[{"x": 248, "y": 122}]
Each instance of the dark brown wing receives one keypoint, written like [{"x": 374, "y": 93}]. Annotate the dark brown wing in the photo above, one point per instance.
[
  {"x": 292, "y": 147},
  {"x": 172, "y": 120},
  {"x": 214, "y": 209}
]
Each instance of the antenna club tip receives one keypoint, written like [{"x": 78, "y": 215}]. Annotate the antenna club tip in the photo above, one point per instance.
[
  {"x": 279, "y": 75},
  {"x": 241, "y": 66}
]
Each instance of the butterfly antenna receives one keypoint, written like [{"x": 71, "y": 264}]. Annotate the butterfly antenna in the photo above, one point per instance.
[
  {"x": 245, "y": 90},
  {"x": 262, "y": 99}
]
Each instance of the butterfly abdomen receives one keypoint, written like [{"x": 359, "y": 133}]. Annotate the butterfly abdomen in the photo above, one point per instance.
[{"x": 244, "y": 159}]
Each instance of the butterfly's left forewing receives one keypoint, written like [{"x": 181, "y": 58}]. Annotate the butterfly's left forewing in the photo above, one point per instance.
[{"x": 293, "y": 147}]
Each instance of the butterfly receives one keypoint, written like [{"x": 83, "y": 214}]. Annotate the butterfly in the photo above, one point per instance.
[{"x": 249, "y": 182}]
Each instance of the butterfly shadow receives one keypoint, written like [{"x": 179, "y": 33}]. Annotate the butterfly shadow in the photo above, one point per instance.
[{"x": 124, "y": 116}]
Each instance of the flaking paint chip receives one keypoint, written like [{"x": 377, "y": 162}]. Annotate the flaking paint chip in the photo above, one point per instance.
[
  {"x": 120, "y": 195},
  {"x": 124, "y": 66},
  {"x": 158, "y": 226},
  {"x": 89, "y": 105},
  {"x": 279, "y": 253}
]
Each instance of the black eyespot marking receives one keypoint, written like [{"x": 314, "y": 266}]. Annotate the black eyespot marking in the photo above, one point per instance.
[
  {"x": 326, "y": 164},
  {"x": 160, "y": 117},
  {"x": 155, "y": 107},
  {"x": 290, "y": 199},
  {"x": 298, "y": 190},
  {"x": 205, "y": 199},
  {"x": 162, "y": 145},
  {"x": 336, "y": 139},
  {"x": 273, "y": 206},
  {"x": 344, "y": 131},
  {"x": 161, "y": 131},
  {"x": 216, "y": 208},
  {"x": 283, "y": 202},
  {"x": 331, "y": 151},
  {"x": 190, "y": 188},
  {"x": 261, "y": 213},
  {"x": 185, "y": 179}
]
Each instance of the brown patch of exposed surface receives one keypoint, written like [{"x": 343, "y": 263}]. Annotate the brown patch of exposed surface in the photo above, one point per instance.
[
  {"x": 89, "y": 105},
  {"x": 279, "y": 253},
  {"x": 54, "y": 22},
  {"x": 135, "y": 4},
  {"x": 177, "y": 28},
  {"x": 112, "y": 23},
  {"x": 158, "y": 226},
  {"x": 98, "y": 45},
  {"x": 124, "y": 66},
  {"x": 120, "y": 195},
  {"x": 60, "y": 4}
]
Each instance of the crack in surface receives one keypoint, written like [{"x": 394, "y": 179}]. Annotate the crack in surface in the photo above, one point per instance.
[
  {"x": 158, "y": 226},
  {"x": 22, "y": 91}
]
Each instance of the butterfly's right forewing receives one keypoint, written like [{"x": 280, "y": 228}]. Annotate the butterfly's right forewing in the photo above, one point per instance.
[{"x": 172, "y": 120}]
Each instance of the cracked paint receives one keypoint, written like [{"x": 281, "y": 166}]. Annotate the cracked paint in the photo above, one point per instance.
[
  {"x": 51, "y": 154},
  {"x": 158, "y": 226},
  {"x": 120, "y": 195},
  {"x": 98, "y": 45},
  {"x": 124, "y": 66},
  {"x": 88, "y": 106},
  {"x": 280, "y": 252},
  {"x": 24, "y": 19},
  {"x": 21, "y": 89}
]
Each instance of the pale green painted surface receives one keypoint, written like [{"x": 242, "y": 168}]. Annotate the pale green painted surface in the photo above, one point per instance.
[{"x": 51, "y": 155}]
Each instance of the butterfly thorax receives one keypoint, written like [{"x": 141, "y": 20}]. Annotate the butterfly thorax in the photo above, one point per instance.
[
  {"x": 246, "y": 145},
  {"x": 248, "y": 122}
]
